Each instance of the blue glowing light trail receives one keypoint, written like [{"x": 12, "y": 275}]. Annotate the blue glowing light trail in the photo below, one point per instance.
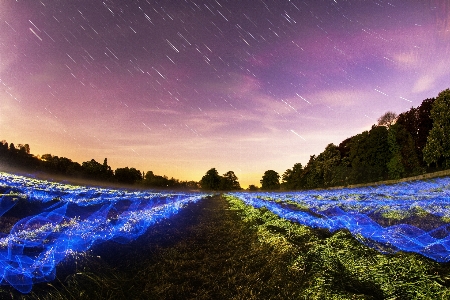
[
  {"x": 71, "y": 220},
  {"x": 419, "y": 209}
]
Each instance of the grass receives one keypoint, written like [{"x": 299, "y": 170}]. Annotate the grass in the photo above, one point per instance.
[
  {"x": 220, "y": 248},
  {"x": 338, "y": 266},
  {"x": 204, "y": 252}
]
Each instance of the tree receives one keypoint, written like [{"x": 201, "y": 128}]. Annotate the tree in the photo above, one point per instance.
[
  {"x": 106, "y": 170},
  {"x": 344, "y": 147},
  {"x": 153, "y": 180},
  {"x": 418, "y": 123},
  {"x": 387, "y": 119},
  {"x": 92, "y": 169},
  {"x": 424, "y": 125},
  {"x": 3, "y": 148},
  {"x": 24, "y": 149},
  {"x": 95, "y": 170},
  {"x": 408, "y": 154},
  {"x": 127, "y": 175},
  {"x": 324, "y": 170},
  {"x": 369, "y": 155},
  {"x": 286, "y": 180},
  {"x": 313, "y": 174},
  {"x": 211, "y": 180},
  {"x": 291, "y": 179},
  {"x": 229, "y": 182},
  {"x": 20, "y": 157},
  {"x": 437, "y": 148},
  {"x": 149, "y": 178},
  {"x": 252, "y": 187},
  {"x": 395, "y": 166},
  {"x": 270, "y": 180},
  {"x": 327, "y": 161}
]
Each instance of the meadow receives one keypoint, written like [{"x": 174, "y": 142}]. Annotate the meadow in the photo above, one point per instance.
[{"x": 60, "y": 241}]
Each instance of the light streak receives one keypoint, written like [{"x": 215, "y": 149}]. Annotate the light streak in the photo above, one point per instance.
[
  {"x": 297, "y": 134},
  {"x": 171, "y": 45},
  {"x": 71, "y": 220},
  {"x": 359, "y": 209},
  {"x": 31, "y": 29}
]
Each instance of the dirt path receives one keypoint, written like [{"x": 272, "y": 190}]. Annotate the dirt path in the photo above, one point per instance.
[
  {"x": 204, "y": 252},
  {"x": 218, "y": 258}
]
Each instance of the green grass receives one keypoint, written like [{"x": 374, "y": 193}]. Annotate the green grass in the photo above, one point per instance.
[
  {"x": 338, "y": 266},
  {"x": 204, "y": 252},
  {"x": 221, "y": 248}
]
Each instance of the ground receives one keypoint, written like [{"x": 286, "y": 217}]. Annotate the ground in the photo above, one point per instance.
[
  {"x": 219, "y": 248},
  {"x": 204, "y": 252}
]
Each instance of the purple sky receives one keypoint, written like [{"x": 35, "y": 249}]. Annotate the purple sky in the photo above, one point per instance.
[{"x": 179, "y": 87}]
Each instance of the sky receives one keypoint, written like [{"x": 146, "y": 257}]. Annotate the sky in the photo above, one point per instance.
[{"x": 179, "y": 87}]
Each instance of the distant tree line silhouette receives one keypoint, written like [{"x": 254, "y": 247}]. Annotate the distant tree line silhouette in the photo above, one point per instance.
[
  {"x": 20, "y": 157},
  {"x": 413, "y": 143},
  {"x": 213, "y": 181}
]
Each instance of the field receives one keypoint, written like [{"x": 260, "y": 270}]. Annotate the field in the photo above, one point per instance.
[{"x": 68, "y": 242}]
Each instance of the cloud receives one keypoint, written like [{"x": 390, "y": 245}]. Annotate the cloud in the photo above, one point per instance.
[
  {"x": 238, "y": 85},
  {"x": 431, "y": 75},
  {"x": 424, "y": 83},
  {"x": 337, "y": 97},
  {"x": 407, "y": 59}
]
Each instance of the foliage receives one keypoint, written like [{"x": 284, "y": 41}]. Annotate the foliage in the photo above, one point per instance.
[
  {"x": 387, "y": 119},
  {"x": 127, "y": 175},
  {"x": 367, "y": 212},
  {"x": 229, "y": 182},
  {"x": 391, "y": 150},
  {"x": 20, "y": 157},
  {"x": 327, "y": 163},
  {"x": 410, "y": 159},
  {"x": 369, "y": 155},
  {"x": 94, "y": 170},
  {"x": 252, "y": 187},
  {"x": 418, "y": 123},
  {"x": 437, "y": 149},
  {"x": 313, "y": 176},
  {"x": 270, "y": 180},
  {"x": 291, "y": 177},
  {"x": 156, "y": 181},
  {"x": 338, "y": 266},
  {"x": 211, "y": 180},
  {"x": 394, "y": 150},
  {"x": 245, "y": 253},
  {"x": 395, "y": 166}
]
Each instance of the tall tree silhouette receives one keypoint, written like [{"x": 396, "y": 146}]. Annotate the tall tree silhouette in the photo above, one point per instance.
[
  {"x": 229, "y": 182},
  {"x": 270, "y": 180},
  {"x": 437, "y": 149},
  {"x": 211, "y": 180}
]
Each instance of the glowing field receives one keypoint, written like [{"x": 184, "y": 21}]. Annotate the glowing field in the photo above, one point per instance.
[
  {"x": 66, "y": 219},
  {"x": 412, "y": 217},
  {"x": 42, "y": 223}
]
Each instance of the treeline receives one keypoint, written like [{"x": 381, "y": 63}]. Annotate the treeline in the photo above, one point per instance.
[
  {"x": 213, "y": 181},
  {"x": 20, "y": 157},
  {"x": 413, "y": 143}
]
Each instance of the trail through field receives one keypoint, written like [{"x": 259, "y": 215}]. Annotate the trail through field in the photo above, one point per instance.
[
  {"x": 217, "y": 257},
  {"x": 203, "y": 252},
  {"x": 120, "y": 244}
]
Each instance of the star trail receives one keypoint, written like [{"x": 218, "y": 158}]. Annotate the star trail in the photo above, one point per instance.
[{"x": 179, "y": 87}]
